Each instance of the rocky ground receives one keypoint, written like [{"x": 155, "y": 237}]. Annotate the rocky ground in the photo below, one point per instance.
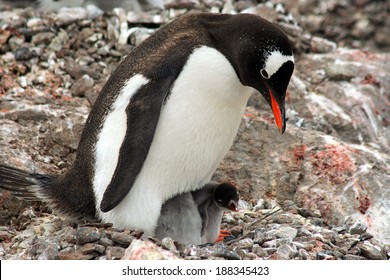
[{"x": 320, "y": 191}]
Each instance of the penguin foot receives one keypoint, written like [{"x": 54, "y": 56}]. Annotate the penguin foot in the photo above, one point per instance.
[{"x": 222, "y": 234}]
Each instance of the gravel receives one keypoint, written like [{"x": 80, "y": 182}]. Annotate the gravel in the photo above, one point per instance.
[
  {"x": 317, "y": 193},
  {"x": 271, "y": 238}
]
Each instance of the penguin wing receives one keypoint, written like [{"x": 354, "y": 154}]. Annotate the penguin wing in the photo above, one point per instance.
[
  {"x": 145, "y": 107},
  {"x": 203, "y": 211}
]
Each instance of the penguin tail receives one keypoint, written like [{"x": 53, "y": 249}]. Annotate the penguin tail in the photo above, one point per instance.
[{"x": 28, "y": 186}]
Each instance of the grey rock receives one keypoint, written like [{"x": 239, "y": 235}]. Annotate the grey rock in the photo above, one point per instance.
[
  {"x": 69, "y": 235},
  {"x": 42, "y": 38},
  {"x": 303, "y": 254},
  {"x": 15, "y": 42},
  {"x": 288, "y": 251},
  {"x": 87, "y": 235},
  {"x": 341, "y": 71},
  {"x": 106, "y": 242},
  {"x": 121, "y": 238},
  {"x": 59, "y": 41},
  {"x": 259, "y": 251},
  {"x": 288, "y": 232},
  {"x": 321, "y": 45},
  {"x": 38, "y": 247},
  {"x": 371, "y": 252},
  {"x": 169, "y": 244},
  {"x": 82, "y": 86},
  {"x": 50, "y": 253},
  {"x": 73, "y": 254},
  {"x": 353, "y": 257},
  {"x": 68, "y": 15},
  {"x": 23, "y": 53},
  {"x": 270, "y": 244},
  {"x": 325, "y": 256},
  {"x": 114, "y": 253},
  {"x": 246, "y": 243},
  {"x": 223, "y": 252},
  {"x": 357, "y": 228},
  {"x": 91, "y": 248}
]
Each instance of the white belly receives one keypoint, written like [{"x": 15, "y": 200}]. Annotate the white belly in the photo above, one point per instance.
[{"x": 196, "y": 128}]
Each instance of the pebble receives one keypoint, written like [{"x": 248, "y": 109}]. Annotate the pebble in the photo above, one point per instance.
[
  {"x": 82, "y": 86},
  {"x": 42, "y": 38},
  {"x": 68, "y": 15},
  {"x": 288, "y": 251},
  {"x": 357, "y": 228},
  {"x": 72, "y": 254},
  {"x": 23, "y": 53},
  {"x": 223, "y": 252},
  {"x": 122, "y": 239},
  {"x": 89, "y": 248},
  {"x": 371, "y": 252},
  {"x": 106, "y": 242},
  {"x": 114, "y": 253},
  {"x": 146, "y": 250},
  {"x": 246, "y": 243},
  {"x": 50, "y": 253},
  {"x": 259, "y": 251},
  {"x": 87, "y": 235},
  {"x": 169, "y": 244}
]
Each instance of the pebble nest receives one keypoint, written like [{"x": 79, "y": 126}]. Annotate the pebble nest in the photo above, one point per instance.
[
  {"x": 87, "y": 46},
  {"x": 261, "y": 231}
]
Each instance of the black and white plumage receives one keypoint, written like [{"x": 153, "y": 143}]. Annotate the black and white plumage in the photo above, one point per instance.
[
  {"x": 195, "y": 218},
  {"x": 166, "y": 117}
]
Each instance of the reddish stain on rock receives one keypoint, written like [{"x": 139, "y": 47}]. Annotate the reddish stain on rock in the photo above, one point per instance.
[
  {"x": 364, "y": 204},
  {"x": 334, "y": 162},
  {"x": 370, "y": 80},
  {"x": 294, "y": 157},
  {"x": 299, "y": 152}
]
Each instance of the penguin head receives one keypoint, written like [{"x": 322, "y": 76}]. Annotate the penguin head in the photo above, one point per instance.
[
  {"x": 261, "y": 55},
  {"x": 226, "y": 196}
]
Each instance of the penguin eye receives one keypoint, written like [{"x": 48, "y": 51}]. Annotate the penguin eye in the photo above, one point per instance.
[
  {"x": 219, "y": 201},
  {"x": 264, "y": 73}
]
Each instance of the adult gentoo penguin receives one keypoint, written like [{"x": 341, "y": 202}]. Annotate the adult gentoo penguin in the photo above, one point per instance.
[
  {"x": 195, "y": 217},
  {"x": 166, "y": 117}
]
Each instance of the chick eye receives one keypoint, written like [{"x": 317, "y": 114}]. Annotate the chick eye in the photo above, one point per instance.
[{"x": 264, "y": 73}]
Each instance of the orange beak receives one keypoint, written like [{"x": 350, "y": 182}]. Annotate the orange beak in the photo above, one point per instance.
[{"x": 277, "y": 112}]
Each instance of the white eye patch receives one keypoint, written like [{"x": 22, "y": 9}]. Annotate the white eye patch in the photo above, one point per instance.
[{"x": 273, "y": 62}]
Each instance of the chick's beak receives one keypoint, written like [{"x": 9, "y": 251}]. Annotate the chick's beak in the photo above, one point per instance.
[
  {"x": 279, "y": 112},
  {"x": 233, "y": 206}
]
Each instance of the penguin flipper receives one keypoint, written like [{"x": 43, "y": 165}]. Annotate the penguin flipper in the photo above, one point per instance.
[
  {"x": 145, "y": 107},
  {"x": 204, "y": 216}
]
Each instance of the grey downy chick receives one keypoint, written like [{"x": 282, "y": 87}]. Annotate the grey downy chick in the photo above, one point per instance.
[
  {"x": 180, "y": 220},
  {"x": 195, "y": 217},
  {"x": 212, "y": 200}
]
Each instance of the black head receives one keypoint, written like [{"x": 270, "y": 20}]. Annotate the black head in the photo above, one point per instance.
[
  {"x": 226, "y": 196},
  {"x": 261, "y": 55}
]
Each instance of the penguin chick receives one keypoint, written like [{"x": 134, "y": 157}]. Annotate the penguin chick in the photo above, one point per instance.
[
  {"x": 180, "y": 220},
  {"x": 195, "y": 218},
  {"x": 212, "y": 200},
  {"x": 166, "y": 117}
]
